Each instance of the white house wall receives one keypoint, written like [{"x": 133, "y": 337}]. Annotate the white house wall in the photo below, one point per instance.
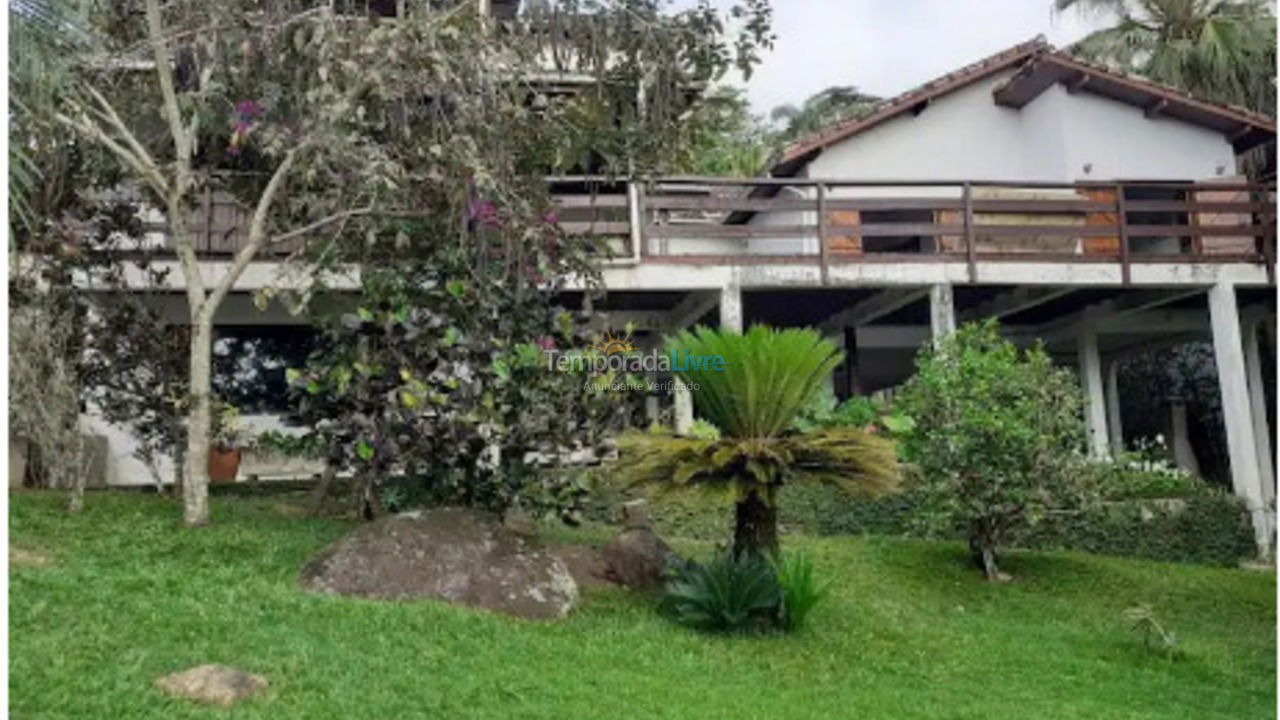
[{"x": 966, "y": 136}]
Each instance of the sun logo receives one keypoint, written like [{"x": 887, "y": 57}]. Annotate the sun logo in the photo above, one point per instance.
[{"x": 610, "y": 343}]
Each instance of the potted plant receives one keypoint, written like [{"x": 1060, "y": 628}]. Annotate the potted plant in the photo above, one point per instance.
[{"x": 224, "y": 451}]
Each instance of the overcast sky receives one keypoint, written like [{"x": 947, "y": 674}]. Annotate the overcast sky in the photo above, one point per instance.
[{"x": 887, "y": 46}]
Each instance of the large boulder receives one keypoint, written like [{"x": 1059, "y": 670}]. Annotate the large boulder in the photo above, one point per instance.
[
  {"x": 213, "y": 684},
  {"x": 455, "y": 554}
]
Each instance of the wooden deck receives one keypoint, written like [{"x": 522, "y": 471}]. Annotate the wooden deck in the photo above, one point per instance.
[{"x": 764, "y": 221}]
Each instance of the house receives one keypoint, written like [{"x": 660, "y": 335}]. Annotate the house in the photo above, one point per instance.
[{"x": 1098, "y": 212}]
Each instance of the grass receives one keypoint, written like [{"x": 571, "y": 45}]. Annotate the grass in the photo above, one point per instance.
[{"x": 907, "y": 632}]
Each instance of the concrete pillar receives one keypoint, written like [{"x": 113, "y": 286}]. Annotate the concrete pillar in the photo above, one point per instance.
[
  {"x": 1114, "y": 423},
  {"x": 1095, "y": 410},
  {"x": 1258, "y": 408},
  {"x": 731, "y": 307},
  {"x": 683, "y": 407},
  {"x": 1228, "y": 351},
  {"x": 942, "y": 312},
  {"x": 1184, "y": 456}
]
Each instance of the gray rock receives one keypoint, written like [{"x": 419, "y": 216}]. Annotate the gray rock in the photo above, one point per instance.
[
  {"x": 585, "y": 564},
  {"x": 458, "y": 555},
  {"x": 213, "y": 684},
  {"x": 638, "y": 558}
]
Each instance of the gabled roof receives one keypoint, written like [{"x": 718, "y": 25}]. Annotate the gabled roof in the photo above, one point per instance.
[{"x": 1039, "y": 65}]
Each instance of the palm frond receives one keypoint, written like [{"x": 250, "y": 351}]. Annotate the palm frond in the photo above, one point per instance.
[
  {"x": 851, "y": 459},
  {"x": 767, "y": 376}
]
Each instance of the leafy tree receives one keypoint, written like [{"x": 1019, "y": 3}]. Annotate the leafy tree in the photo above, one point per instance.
[
  {"x": 1222, "y": 50},
  {"x": 767, "y": 377},
  {"x": 727, "y": 139},
  {"x": 998, "y": 437},
  {"x": 328, "y": 129},
  {"x": 425, "y": 382},
  {"x": 820, "y": 111}
]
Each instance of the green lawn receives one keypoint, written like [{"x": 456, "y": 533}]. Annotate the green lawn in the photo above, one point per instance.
[{"x": 909, "y": 632}]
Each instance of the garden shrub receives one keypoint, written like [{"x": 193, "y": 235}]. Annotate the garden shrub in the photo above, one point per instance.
[
  {"x": 997, "y": 438},
  {"x": 800, "y": 590},
  {"x": 1210, "y": 528},
  {"x": 726, "y": 593},
  {"x": 747, "y": 592}
]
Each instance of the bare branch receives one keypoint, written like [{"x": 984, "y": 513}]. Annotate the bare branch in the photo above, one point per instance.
[
  {"x": 172, "y": 111},
  {"x": 312, "y": 227},
  {"x": 257, "y": 231},
  {"x": 92, "y": 131}
]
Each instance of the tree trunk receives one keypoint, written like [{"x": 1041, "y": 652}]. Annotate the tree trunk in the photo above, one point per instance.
[
  {"x": 982, "y": 551},
  {"x": 755, "y": 529},
  {"x": 195, "y": 482}
]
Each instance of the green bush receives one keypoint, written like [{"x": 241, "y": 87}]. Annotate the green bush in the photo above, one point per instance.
[
  {"x": 997, "y": 439},
  {"x": 1211, "y": 528},
  {"x": 800, "y": 590},
  {"x": 725, "y": 594}
]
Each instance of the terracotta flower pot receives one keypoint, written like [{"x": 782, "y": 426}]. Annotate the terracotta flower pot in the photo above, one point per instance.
[{"x": 224, "y": 464}]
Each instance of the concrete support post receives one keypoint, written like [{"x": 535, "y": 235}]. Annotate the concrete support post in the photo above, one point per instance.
[
  {"x": 1184, "y": 456},
  {"x": 1114, "y": 423},
  {"x": 731, "y": 307},
  {"x": 683, "y": 407},
  {"x": 1228, "y": 351},
  {"x": 1258, "y": 408},
  {"x": 942, "y": 312},
  {"x": 1095, "y": 410}
]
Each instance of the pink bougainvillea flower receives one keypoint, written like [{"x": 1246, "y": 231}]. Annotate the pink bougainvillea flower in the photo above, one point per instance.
[
  {"x": 248, "y": 108},
  {"x": 546, "y": 342},
  {"x": 551, "y": 217}
]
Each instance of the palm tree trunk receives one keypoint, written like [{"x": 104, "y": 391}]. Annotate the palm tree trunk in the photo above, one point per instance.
[{"x": 755, "y": 527}]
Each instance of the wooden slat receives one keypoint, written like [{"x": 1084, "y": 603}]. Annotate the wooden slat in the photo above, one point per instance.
[
  {"x": 1052, "y": 207},
  {"x": 728, "y": 231},
  {"x": 596, "y": 228},
  {"x": 1189, "y": 207},
  {"x": 589, "y": 201}
]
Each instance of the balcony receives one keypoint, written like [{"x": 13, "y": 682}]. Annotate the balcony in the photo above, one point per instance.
[{"x": 729, "y": 221}]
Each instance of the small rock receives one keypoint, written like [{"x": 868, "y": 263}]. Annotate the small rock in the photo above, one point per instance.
[
  {"x": 638, "y": 558},
  {"x": 585, "y": 564},
  {"x": 635, "y": 515},
  {"x": 214, "y": 684}
]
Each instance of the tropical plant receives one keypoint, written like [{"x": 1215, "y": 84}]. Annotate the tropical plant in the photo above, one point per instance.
[
  {"x": 998, "y": 438},
  {"x": 45, "y": 39},
  {"x": 766, "y": 376},
  {"x": 1143, "y": 620},
  {"x": 1222, "y": 50},
  {"x": 726, "y": 593},
  {"x": 800, "y": 589},
  {"x": 820, "y": 111}
]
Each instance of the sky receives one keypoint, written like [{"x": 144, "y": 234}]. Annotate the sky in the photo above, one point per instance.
[{"x": 887, "y": 46}]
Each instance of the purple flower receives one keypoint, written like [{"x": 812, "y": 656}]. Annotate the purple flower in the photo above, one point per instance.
[
  {"x": 248, "y": 109},
  {"x": 546, "y": 342}
]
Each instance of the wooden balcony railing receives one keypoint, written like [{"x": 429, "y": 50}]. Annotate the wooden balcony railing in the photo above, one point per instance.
[{"x": 829, "y": 222}]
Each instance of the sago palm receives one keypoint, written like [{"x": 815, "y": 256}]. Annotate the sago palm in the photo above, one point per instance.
[
  {"x": 1222, "y": 50},
  {"x": 767, "y": 376}
]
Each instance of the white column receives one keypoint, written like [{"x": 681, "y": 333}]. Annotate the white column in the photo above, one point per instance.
[
  {"x": 1228, "y": 350},
  {"x": 1114, "y": 423},
  {"x": 683, "y": 407},
  {"x": 942, "y": 312},
  {"x": 1095, "y": 410},
  {"x": 731, "y": 307},
  {"x": 1258, "y": 409},
  {"x": 1184, "y": 456}
]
